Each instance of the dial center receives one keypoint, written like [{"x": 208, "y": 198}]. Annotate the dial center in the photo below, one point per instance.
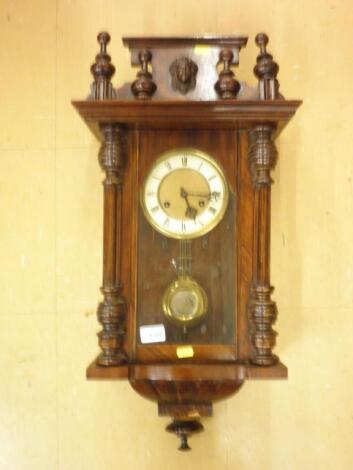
[{"x": 184, "y": 193}]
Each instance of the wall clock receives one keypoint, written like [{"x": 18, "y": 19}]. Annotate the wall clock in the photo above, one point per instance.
[{"x": 187, "y": 150}]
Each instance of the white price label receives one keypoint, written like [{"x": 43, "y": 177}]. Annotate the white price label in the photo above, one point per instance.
[{"x": 152, "y": 334}]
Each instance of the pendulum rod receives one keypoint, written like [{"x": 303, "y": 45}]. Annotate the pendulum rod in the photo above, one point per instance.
[{"x": 185, "y": 258}]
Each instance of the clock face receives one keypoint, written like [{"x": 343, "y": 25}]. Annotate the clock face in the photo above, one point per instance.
[{"x": 185, "y": 194}]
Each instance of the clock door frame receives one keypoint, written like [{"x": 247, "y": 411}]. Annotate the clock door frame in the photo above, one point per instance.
[{"x": 146, "y": 146}]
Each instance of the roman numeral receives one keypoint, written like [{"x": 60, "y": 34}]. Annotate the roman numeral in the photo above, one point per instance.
[
  {"x": 166, "y": 222},
  {"x": 183, "y": 226},
  {"x": 212, "y": 210},
  {"x": 184, "y": 160},
  {"x": 212, "y": 177},
  {"x": 168, "y": 165},
  {"x": 155, "y": 209}
]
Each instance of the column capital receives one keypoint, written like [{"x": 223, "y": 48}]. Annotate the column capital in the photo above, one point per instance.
[{"x": 262, "y": 154}]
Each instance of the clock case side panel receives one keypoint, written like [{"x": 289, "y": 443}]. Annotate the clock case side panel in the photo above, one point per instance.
[
  {"x": 222, "y": 145},
  {"x": 129, "y": 230},
  {"x": 245, "y": 244}
]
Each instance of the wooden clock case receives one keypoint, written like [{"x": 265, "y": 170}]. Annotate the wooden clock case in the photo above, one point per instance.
[{"x": 192, "y": 98}]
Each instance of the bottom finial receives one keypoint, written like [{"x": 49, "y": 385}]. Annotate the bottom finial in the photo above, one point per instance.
[{"x": 183, "y": 429}]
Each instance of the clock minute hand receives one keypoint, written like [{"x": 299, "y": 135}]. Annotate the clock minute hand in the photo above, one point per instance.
[
  {"x": 214, "y": 194},
  {"x": 203, "y": 195}
]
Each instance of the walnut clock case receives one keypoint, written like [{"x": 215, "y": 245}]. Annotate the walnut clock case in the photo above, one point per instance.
[{"x": 187, "y": 150}]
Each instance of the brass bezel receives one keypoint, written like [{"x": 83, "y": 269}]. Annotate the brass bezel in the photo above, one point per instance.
[
  {"x": 206, "y": 228},
  {"x": 185, "y": 283}
]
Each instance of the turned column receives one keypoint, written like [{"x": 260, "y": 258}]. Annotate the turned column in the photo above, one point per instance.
[
  {"x": 262, "y": 310},
  {"x": 111, "y": 312}
]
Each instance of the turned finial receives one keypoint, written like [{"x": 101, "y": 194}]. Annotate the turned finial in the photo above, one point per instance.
[
  {"x": 262, "y": 41},
  {"x": 103, "y": 39},
  {"x": 143, "y": 87},
  {"x": 227, "y": 86},
  {"x": 266, "y": 70},
  {"x": 183, "y": 428},
  {"x": 102, "y": 71}
]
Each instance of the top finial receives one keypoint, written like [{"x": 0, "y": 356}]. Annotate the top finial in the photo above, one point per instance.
[
  {"x": 144, "y": 87},
  {"x": 266, "y": 70},
  {"x": 227, "y": 86},
  {"x": 102, "y": 70}
]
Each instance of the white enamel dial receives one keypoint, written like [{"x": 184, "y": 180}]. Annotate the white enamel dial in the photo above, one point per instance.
[{"x": 185, "y": 194}]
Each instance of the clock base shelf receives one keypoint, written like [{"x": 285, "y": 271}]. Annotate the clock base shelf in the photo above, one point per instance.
[
  {"x": 97, "y": 372},
  {"x": 226, "y": 371}
]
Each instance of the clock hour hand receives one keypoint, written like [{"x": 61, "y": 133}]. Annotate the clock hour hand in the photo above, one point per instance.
[{"x": 190, "y": 212}]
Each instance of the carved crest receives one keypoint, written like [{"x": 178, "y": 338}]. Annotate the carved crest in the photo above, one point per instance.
[{"x": 183, "y": 72}]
